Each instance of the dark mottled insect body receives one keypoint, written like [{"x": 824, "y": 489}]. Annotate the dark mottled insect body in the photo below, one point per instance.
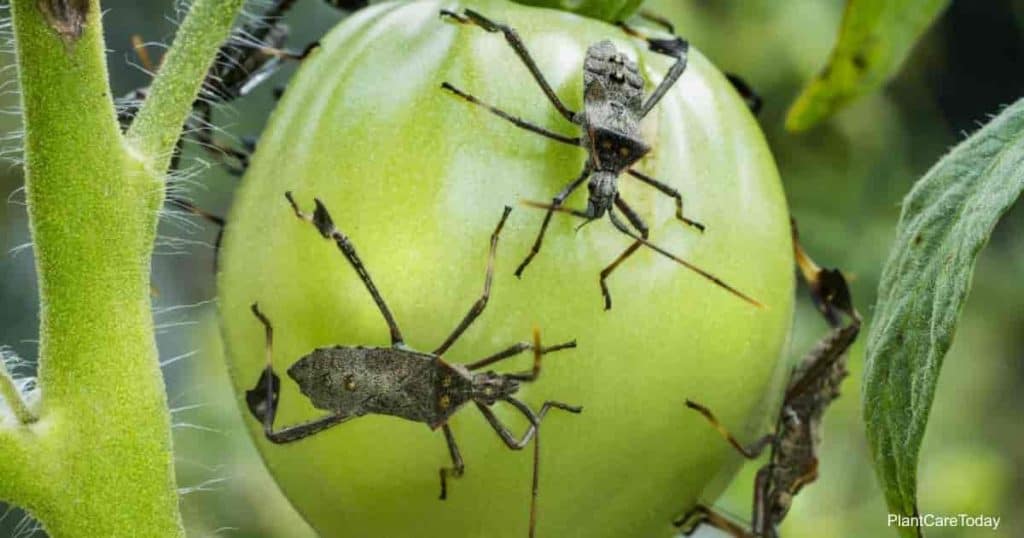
[
  {"x": 813, "y": 386},
  {"x": 386, "y": 381},
  {"x": 613, "y": 107},
  {"x": 613, "y": 93}
]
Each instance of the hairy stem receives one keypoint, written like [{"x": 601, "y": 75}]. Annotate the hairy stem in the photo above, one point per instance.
[
  {"x": 97, "y": 461},
  {"x": 12, "y": 396},
  {"x": 155, "y": 131}
]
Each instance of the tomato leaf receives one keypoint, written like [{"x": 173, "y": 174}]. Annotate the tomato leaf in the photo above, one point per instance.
[
  {"x": 946, "y": 220},
  {"x": 874, "y": 39}
]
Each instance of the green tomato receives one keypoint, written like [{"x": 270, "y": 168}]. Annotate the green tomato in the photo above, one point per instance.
[{"x": 417, "y": 179}]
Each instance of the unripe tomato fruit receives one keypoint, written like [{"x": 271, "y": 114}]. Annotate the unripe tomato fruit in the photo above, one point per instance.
[{"x": 418, "y": 178}]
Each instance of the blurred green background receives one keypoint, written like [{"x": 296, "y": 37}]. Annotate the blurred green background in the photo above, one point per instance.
[{"x": 844, "y": 181}]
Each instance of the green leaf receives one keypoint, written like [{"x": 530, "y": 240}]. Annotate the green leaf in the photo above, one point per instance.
[
  {"x": 874, "y": 39},
  {"x": 946, "y": 220}
]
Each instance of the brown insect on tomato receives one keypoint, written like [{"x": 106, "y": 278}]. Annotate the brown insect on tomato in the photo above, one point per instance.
[
  {"x": 813, "y": 385},
  {"x": 352, "y": 381}
]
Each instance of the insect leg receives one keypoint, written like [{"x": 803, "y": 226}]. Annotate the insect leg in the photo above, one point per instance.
[
  {"x": 759, "y": 523},
  {"x": 348, "y": 5},
  {"x": 514, "y": 350},
  {"x": 325, "y": 225},
  {"x": 507, "y": 436},
  {"x": 819, "y": 368},
  {"x": 200, "y": 131},
  {"x": 457, "y": 468},
  {"x": 829, "y": 289},
  {"x": 556, "y": 203},
  {"x": 481, "y": 303},
  {"x": 263, "y": 398},
  {"x": 668, "y": 191},
  {"x": 701, "y": 514},
  {"x": 638, "y": 223},
  {"x": 538, "y": 351},
  {"x": 275, "y": 57},
  {"x": 753, "y": 101},
  {"x": 657, "y": 19},
  {"x": 632, "y": 216},
  {"x": 301, "y": 431},
  {"x": 677, "y": 48},
  {"x": 518, "y": 122},
  {"x": 216, "y": 220},
  {"x": 534, "y": 484},
  {"x": 750, "y": 452},
  {"x": 512, "y": 37},
  {"x": 715, "y": 280}
]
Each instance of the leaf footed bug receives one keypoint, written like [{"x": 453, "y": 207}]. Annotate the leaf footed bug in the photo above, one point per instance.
[
  {"x": 613, "y": 106},
  {"x": 351, "y": 381},
  {"x": 813, "y": 385}
]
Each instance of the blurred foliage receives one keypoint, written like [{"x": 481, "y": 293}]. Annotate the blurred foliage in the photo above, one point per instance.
[
  {"x": 874, "y": 39},
  {"x": 844, "y": 179}
]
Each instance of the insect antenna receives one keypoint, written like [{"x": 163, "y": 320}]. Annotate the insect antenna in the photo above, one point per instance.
[
  {"x": 536, "y": 446},
  {"x": 560, "y": 209},
  {"x": 714, "y": 279},
  {"x": 622, "y": 228},
  {"x": 586, "y": 222}
]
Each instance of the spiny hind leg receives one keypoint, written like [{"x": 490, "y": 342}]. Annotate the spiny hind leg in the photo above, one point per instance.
[
  {"x": 321, "y": 219},
  {"x": 263, "y": 399}
]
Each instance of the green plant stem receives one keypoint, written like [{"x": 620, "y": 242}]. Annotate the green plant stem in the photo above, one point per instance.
[
  {"x": 98, "y": 460},
  {"x": 9, "y": 393},
  {"x": 155, "y": 131}
]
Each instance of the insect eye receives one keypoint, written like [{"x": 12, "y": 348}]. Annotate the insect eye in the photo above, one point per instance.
[
  {"x": 624, "y": 151},
  {"x": 606, "y": 144},
  {"x": 349, "y": 382}
]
